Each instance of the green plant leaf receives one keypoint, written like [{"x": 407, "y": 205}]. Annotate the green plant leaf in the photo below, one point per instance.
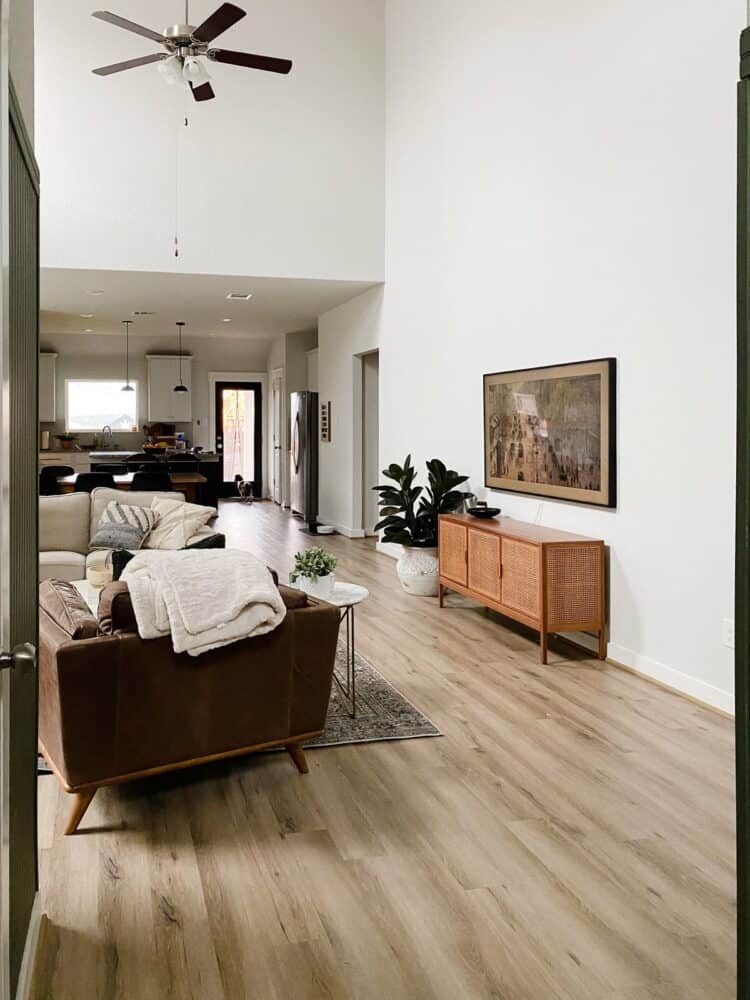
[
  {"x": 390, "y": 521},
  {"x": 398, "y": 538}
]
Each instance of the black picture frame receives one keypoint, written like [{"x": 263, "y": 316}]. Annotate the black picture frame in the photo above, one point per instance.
[{"x": 606, "y": 495}]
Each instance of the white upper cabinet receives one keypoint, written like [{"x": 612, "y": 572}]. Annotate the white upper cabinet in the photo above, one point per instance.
[
  {"x": 163, "y": 375},
  {"x": 47, "y": 388}
]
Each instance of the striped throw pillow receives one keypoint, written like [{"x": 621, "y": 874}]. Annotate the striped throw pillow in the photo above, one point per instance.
[{"x": 123, "y": 526}]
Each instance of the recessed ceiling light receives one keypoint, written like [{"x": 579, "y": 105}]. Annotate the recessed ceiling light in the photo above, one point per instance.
[
  {"x": 86, "y": 315},
  {"x": 95, "y": 291},
  {"x": 240, "y": 296},
  {"x": 226, "y": 321},
  {"x": 89, "y": 330}
]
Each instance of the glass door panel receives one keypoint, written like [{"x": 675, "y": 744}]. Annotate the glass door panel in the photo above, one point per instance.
[{"x": 239, "y": 440}]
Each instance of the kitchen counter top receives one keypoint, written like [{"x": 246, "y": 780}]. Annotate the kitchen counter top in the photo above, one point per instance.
[
  {"x": 103, "y": 456},
  {"x": 117, "y": 455}
]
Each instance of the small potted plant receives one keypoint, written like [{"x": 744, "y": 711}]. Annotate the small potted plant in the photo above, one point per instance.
[
  {"x": 67, "y": 441},
  {"x": 314, "y": 570}
]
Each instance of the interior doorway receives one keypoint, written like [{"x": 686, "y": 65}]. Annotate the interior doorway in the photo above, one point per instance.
[
  {"x": 239, "y": 434},
  {"x": 370, "y": 439}
]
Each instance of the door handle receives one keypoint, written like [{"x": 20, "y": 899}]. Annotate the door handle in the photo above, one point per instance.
[{"x": 22, "y": 658}]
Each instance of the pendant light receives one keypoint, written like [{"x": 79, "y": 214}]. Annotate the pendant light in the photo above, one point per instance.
[
  {"x": 180, "y": 387},
  {"x": 127, "y": 387}
]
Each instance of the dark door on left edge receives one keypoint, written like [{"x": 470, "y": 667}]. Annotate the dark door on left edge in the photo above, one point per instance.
[{"x": 239, "y": 435}]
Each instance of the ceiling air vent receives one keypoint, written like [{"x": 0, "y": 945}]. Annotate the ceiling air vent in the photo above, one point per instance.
[
  {"x": 143, "y": 312},
  {"x": 240, "y": 296}
]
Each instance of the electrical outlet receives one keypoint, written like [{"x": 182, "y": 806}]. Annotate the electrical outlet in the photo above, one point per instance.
[{"x": 727, "y": 632}]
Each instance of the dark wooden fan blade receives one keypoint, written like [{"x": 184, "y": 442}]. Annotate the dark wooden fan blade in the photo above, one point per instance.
[
  {"x": 205, "y": 92},
  {"x": 122, "y": 22},
  {"x": 130, "y": 64},
  {"x": 269, "y": 63},
  {"x": 221, "y": 19}
]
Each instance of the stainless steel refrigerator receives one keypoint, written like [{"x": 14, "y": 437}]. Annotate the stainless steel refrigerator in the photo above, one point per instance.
[{"x": 303, "y": 479}]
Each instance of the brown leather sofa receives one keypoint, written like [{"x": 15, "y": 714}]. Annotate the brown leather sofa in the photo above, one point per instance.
[{"x": 113, "y": 707}]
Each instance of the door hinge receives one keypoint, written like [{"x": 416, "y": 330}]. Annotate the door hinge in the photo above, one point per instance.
[{"x": 22, "y": 658}]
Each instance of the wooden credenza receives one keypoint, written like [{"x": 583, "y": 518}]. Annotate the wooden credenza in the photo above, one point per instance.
[{"x": 550, "y": 580}]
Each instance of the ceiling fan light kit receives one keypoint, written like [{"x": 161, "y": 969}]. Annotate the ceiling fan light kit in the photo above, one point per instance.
[
  {"x": 186, "y": 47},
  {"x": 194, "y": 72},
  {"x": 170, "y": 70}
]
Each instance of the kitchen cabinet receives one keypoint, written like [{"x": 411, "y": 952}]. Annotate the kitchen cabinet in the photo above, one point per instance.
[
  {"x": 164, "y": 404},
  {"x": 47, "y": 388}
]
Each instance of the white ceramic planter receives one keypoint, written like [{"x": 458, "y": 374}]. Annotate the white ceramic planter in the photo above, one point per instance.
[
  {"x": 418, "y": 571},
  {"x": 322, "y": 587}
]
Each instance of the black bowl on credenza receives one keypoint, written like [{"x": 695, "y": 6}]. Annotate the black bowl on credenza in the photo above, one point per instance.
[{"x": 481, "y": 512}]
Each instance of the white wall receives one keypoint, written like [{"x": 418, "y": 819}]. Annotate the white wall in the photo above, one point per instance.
[
  {"x": 279, "y": 176},
  {"x": 344, "y": 334},
  {"x": 21, "y": 58},
  {"x": 312, "y": 370},
  {"x": 560, "y": 186},
  {"x": 82, "y": 356}
]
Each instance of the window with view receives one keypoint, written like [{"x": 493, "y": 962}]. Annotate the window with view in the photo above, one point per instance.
[{"x": 92, "y": 404}]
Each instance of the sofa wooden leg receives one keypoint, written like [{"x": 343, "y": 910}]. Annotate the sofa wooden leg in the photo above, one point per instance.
[
  {"x": 81, "y": 802},
  {"x": 298, "y": 756}
]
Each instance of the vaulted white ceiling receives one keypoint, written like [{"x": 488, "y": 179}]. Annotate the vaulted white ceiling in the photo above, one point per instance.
[{"x": 279, "y": 176}]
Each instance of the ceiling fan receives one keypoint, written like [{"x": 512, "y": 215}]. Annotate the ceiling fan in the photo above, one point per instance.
[{"x": 186, "y": 46}]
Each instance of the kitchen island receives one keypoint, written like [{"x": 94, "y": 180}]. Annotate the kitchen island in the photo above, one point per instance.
[{"x": 80, "y": 460}]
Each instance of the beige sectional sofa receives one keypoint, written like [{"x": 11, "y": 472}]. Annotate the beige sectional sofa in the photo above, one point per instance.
[{"x": 67, "y": 524}]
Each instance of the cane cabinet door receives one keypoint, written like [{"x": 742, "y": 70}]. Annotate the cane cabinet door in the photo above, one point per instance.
[
  {"x": 484, "y": 563},
  {"x": 452, "y": 552},
  {"x": 521, "y": 577}
]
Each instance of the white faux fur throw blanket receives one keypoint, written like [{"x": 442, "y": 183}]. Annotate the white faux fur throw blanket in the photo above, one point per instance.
[{"x": 205, "y": 599}]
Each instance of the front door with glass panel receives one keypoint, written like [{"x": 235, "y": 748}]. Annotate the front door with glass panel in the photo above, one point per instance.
[{"x": 239, "y": 430}]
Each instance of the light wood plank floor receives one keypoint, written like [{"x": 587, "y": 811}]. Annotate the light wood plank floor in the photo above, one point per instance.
[{"x": 571, "y": 836}]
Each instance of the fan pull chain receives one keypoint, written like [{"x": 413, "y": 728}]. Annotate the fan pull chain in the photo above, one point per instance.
[{"x": 177, "y": 191}]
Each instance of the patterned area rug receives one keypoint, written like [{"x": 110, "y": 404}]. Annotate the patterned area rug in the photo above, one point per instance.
[{"x": 382, "y": 712}]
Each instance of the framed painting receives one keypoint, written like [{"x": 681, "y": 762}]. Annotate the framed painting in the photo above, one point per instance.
[{"x": 551, "y": 432}]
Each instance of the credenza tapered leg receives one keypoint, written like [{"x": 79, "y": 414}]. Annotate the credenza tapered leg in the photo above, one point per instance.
[
  {"x": 543, "y": 647},
  {"x": 441, "y": 595},
  {"x": 602, "y": 644}
]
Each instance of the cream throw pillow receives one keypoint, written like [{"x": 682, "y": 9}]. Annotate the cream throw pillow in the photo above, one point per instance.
[{"x": 176, "y": 522}]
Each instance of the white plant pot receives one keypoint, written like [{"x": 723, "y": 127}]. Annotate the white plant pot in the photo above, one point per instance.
[
  {"x": 418, "y": 571},
  {"x": 322, "y": 587}
]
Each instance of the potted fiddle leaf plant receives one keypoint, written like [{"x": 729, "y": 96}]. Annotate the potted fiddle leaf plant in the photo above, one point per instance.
[
  {"x": 409, "y": 517},
  {"x": 314, "y": 570}
]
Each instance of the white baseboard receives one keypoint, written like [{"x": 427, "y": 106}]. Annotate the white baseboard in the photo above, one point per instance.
[
  {"x": 390, "y": 549},
  {"x": 701, "y": 691},
  {"x": 26, "y": 972},
  {"x": 343, "y": 529}
]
